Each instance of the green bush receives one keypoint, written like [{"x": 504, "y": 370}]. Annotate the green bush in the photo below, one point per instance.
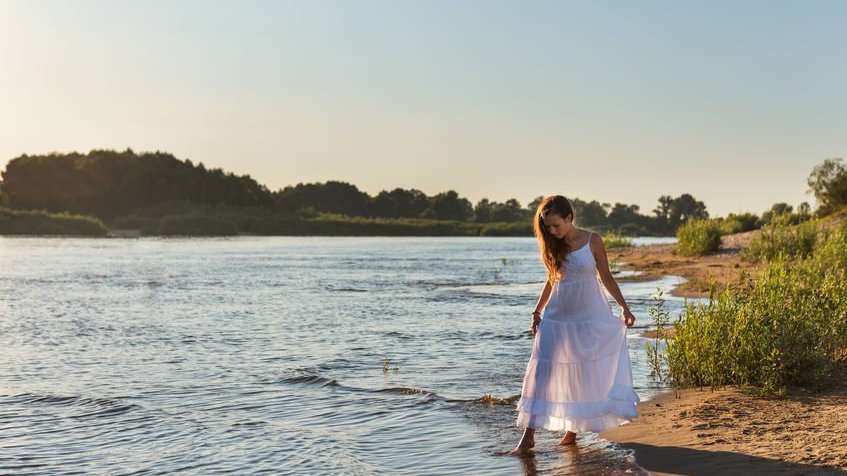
[
  {"x": 698, "y": 237},
  {"x": 787, "y": 328},
  {"x": 749, "y": 221},
  {"x": 781, "y": 237},
  {"x": 739, "y": 223},
  {"x": 729, "y": 226}
]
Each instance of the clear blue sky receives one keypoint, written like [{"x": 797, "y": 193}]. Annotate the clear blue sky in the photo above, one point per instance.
[{"x": 733, "y": 102}]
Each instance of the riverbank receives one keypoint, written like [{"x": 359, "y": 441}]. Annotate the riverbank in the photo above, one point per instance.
[
  {"x": 698, "y": 431},
  {"x": 725, "y": 267},
  {"x": 652, "y": 262}
]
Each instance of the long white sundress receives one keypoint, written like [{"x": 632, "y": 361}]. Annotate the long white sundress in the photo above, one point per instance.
[{"x": 579, "y": 376}]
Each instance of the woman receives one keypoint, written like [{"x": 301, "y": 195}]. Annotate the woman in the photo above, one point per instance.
[{"x": 579, "y": 376}]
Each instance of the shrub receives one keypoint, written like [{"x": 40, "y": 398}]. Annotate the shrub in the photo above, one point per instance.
[
  {"x": 731, "y": 225},
  {"x": 698, "y": 237},
  {"x": 780, "y": 236}
]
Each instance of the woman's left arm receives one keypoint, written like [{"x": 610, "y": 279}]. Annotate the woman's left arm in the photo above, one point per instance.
[{"x": 599, "y": 250}]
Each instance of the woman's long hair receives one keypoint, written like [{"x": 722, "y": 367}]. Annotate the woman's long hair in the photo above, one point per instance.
[{"x": 553, "y": 250}]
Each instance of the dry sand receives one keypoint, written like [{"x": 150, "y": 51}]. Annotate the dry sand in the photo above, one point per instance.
[{"x": 729, "y": 431}]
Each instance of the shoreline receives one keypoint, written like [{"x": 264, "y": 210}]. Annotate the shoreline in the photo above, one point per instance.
[
  {"x": 653, "y": 262},
  {"x": 730, "y": 430}
]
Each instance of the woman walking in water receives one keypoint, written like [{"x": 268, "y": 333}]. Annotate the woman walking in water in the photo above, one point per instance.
[{"x": 579, "y": 376}]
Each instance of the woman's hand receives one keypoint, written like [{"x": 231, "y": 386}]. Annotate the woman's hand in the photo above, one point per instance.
[
  {"x": 536, "y": 318},
  {"x": 628, "y": 318}
]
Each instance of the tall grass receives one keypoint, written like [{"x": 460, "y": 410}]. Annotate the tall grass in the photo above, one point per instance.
[
  {"x": 788, "y": 327},
  {"x": 616, "y": 240},
  {"x": 698, "y": 238}
]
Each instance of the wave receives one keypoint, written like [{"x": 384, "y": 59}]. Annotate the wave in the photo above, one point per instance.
[
  {"x": 346, "y": 289},
  {"x": 309, "y": 379},
  {"x": 406, "y": 391},
  {"x": 102, "y": 406},
  {"x": 313, "y": 379}
]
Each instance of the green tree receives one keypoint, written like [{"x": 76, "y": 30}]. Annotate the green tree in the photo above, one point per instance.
[
  {"x": 400, "y": 203},
  {"x": 777, "y": 209},
  {"x": 590, "y": 214},
  {"x": 332, "y": 196},
  {"x": 684, "y": 208},
  {"x": 622, "y": 214},
  {"x": 828, "y": 182},
  {"x": 449, "y": 206},
  {"x": 533, "y": 204},
  {"x": 107, "y": 183},
  {"x": 482, "y": 211},
  {"x": 510, "y": 211}
]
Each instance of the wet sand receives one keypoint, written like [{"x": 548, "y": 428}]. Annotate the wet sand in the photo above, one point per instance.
[{"x": 729, "y": 431}]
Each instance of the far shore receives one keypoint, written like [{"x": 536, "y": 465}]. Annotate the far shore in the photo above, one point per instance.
[{"x": 728, "y": 431}]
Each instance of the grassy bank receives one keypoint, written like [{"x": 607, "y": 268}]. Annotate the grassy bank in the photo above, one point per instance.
[
  {"x": 223, "y": 224},
  {"x": 787, "y": 327},
  {"x": 31, "y": 222}
]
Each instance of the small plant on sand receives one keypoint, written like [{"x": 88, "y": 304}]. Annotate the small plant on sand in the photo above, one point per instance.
[
  {"x": 661, "y": 317},
  {"x": 386, "y": 365},
  {"x": 616, "y": 240}
]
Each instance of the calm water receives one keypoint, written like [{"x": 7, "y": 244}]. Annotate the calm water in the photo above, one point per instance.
[{"x": 266, "y": 355}]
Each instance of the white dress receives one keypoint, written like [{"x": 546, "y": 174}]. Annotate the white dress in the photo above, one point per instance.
[{"x": 579, "y": 376}]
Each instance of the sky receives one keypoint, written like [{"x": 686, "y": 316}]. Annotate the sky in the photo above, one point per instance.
[{"x": 732, "y": 102}]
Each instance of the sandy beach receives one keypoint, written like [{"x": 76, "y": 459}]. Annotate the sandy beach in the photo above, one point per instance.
[
  {"x": 699, "y": 431},
  {"x": 729, "y": 431}
]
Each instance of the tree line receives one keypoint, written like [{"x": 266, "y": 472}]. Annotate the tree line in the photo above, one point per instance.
[{"x": 110, "y": 184}]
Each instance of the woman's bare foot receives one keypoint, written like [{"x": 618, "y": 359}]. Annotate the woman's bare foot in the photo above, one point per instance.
[
  {"x": 569, "y": 438},
  {"x": 527, "y": 442}
]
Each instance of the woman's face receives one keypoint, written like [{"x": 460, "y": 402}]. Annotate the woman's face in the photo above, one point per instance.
[{"x": 556, "y": 225}]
